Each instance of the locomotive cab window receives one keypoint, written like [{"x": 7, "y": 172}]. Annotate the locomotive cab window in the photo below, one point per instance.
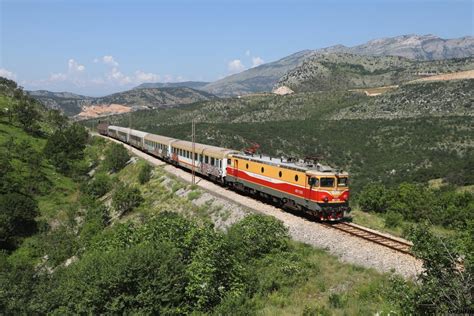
[
  {"x": 342, "y": 182},
  {"x": 327, "y": 182},
  {"x": 313, "y": 182},
  {"x": 296, "y": 178},
  {"x": 280, "y": 174},
  {"x": 263, "y": 170},
  {"x": 247, "y": 165},
  {"x": 229, "y": 162}
]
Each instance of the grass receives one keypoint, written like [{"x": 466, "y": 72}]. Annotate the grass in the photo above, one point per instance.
[
  {"x": 376, "y": 221},
  {"x": 310, "y": 281}
]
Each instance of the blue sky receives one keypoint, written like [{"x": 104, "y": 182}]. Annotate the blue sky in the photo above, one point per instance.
[{"x": 99, "y": 47}]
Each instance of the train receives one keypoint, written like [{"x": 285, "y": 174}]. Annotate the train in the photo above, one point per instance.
[{"x": 301, "y": 185}]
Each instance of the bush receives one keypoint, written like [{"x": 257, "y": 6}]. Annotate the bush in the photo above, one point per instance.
[
  {"x": 125, "y": 198},
  {"x": 98, "y": 186},
  {"x": 145, "y": 173},
  {"x": 374, "y": 198},
  {"x": 17, "y": 219},
  {"x": 393, "y": 219},
  {"x": 116, "y": 157},
  {"x": 142, "y": 279},
  {"x": 66, "y": 146},
  {"x": 257, "y": 235}
]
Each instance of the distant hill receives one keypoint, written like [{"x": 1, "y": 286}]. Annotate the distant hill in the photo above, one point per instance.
[
  {"x": 419, "y": 47},
  {"x": 258, "y": 79},
  {"x": 338, "y": 71},
  {"x": 416, "y": 47},
  {"x": 188, "y": 84},
  {"x": 73, "y": 104}
]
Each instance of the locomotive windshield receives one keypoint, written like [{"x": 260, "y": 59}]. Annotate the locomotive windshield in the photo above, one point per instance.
[
  {"x": 327, "y": 182},
  {"x": 342, "y": 182}
]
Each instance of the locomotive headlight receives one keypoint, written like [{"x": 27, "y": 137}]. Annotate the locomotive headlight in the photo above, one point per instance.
[{"x": 325, "y": 199}]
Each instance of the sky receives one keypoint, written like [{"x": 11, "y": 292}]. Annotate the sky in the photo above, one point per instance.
[{"x": 100, "y": 47}]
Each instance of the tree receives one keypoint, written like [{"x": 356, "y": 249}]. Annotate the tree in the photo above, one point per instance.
[
  {"x": 447, "y": 283},
  {"x": 116, "y": 157},
  {"x": 145, "y": 173},
  {"x": 125, "y": 198},
  {"x": 374, "y": 198},
  {"x": 27, "y": 114},
  {"x": 17, "y": 219},
  {"x": 257, "y": 235},
  {"x": 65, "y": 147}
]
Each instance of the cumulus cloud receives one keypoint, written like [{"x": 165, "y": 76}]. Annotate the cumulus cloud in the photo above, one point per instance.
[
  {"x": 73, "y": 66},
  {"x": 141, "y": 77},
  {"x": 7, "y": 74},
  {"x": 235, "y": 66},
  {"x": 257, "y": 61},
  {"x": 115, "y": 75},
  {"x": 109, "y": 60},
  {"x": 57, "y": 77}
]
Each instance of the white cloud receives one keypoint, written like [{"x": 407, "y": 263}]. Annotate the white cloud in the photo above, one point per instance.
[
  {"x": 115, "y": 75},
  {"x": 73, "y": 66},
  {"x": 141, "y": 77},
  {"x": 7, "y": 74},
  {"x": 247, "y": 52},
  {"x": 57, "y": 77},
  {"x": 257, "y": 61},
  {"x": 235, "y": 66},
  {"x": 109, "y": 60}
]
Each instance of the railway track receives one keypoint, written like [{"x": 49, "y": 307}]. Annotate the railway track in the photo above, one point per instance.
[{"x": 373, "y": 236}]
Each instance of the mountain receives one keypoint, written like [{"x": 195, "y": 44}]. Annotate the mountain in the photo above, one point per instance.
[
  {"x": 257, "y": 79},
  {"x": 73, "y": 104},
  {"x": 68, "y": 103},
  {"x": 415, "y": 47},
  {"x": 188, "y": 84},
  {"x": 419, "y": 47},
  {"x": 337, "y": 71}
]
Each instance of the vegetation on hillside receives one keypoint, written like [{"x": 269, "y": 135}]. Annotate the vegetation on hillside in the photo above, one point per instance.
[{"x": 334, "y": 72}]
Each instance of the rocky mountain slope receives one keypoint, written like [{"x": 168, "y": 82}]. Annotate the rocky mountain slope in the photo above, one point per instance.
[
  {"x": 73, "y": 104},
  {"x": 338, "y": 71},
  {"x": 257, "y": 79},
  {"x": 417, "y": 47}
]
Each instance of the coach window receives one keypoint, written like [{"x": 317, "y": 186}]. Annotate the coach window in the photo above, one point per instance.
[
  {"x": 229, "y": 162},
  {"x": 296, "y": 178},
  {"x": 263, "y": 170},
  {"x": 280, "y": 174},
  {"x": 195, "y": 156},
  {"x": 206, "y": 159},
  {"x": 212, "y": 161},
  {"x": 220, "y": 163}
]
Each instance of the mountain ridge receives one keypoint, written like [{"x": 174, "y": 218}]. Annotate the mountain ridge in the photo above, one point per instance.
[{"x": 73, "y": 104}]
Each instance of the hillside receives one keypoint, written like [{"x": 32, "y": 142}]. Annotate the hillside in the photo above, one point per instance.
[
  {"x": 347, "y": 71},
  {"x": 408, "y": 144},
  {"x": 415, "y": 47},
  {"x": 258, "y": 79},
  {"x": 188, "y": 84},
  {"x": 72, "y": 104}
]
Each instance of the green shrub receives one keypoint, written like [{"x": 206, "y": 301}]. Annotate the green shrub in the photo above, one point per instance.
[
  {"x": 116, "y": 157},
  {"x": 257, "y": 235},
  {"x": 17, "y": 219},
  {"x": 194, "y": 195},
  {"x": 144, "y": 174},
  {"x": 98, "y": 186},
  {"x": 374, "y": 198},
  {"x": 125, "y": 198},
  {"x": 393, "y": 219}
]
